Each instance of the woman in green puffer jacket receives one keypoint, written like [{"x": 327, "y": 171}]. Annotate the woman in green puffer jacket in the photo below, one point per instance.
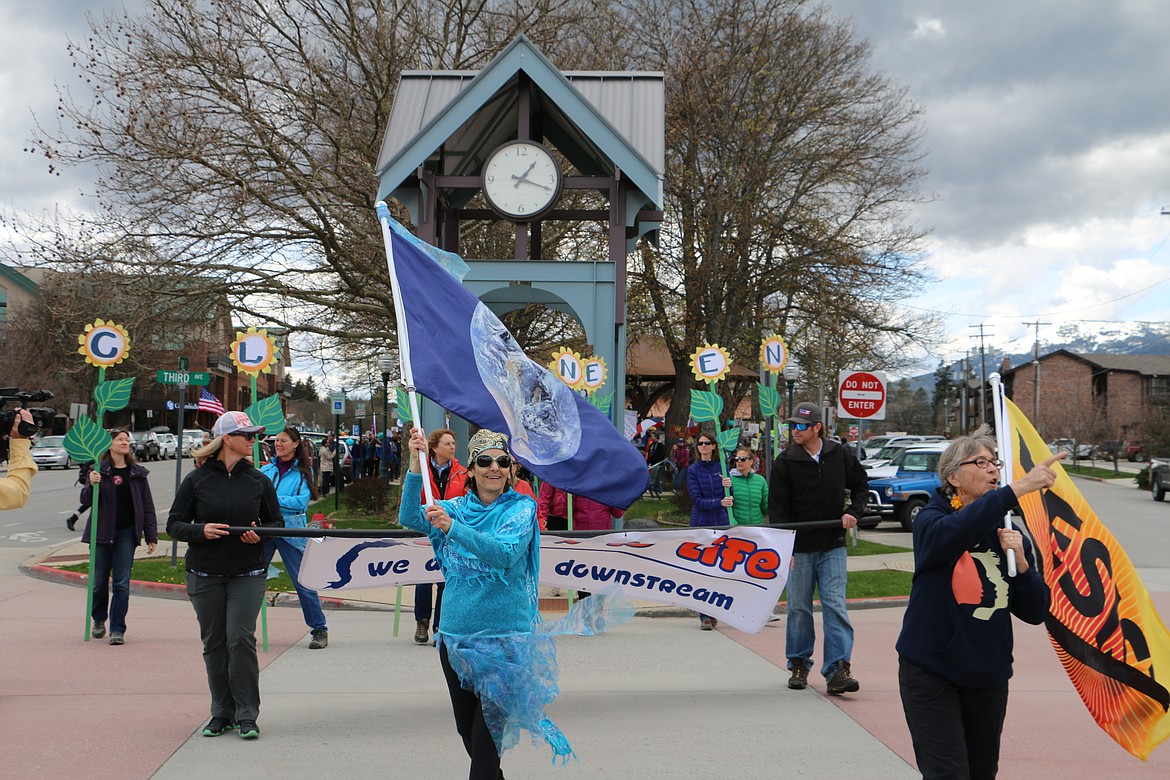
[{"x": 750, "y": 489}]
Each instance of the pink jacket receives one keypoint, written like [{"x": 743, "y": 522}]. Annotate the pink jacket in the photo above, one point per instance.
[{"x": 588, "y": 515}]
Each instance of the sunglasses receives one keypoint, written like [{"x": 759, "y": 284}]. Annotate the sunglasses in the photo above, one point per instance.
[
  {"x": 249, "y": 436},
  {"x": 802, "y": 426},
  {"x": 741, "y": 458},
  {"x": 486, "y": 461},
  {"x": 706, "y": 444}
]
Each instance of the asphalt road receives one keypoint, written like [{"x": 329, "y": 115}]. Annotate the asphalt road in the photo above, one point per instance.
[{"x": 54, "y": 496}]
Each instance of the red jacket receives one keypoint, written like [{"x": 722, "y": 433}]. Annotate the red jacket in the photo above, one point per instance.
[
  {"x": 588, "y": 515},
  {"x": 456, "y": 483}
]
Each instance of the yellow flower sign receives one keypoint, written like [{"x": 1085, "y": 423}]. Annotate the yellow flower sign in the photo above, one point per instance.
[
  {"x": 104, "y": 344},
  {"x": 254, "y": 352},
  {"x": 594, "y": 373},
  {"x": 710, "y": 363},
  {"x": 568, "y": 367},
  {"x": 773, "y": 353}
]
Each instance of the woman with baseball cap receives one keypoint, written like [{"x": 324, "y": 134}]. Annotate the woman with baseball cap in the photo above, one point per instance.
[{"x": 226, "y": 575}]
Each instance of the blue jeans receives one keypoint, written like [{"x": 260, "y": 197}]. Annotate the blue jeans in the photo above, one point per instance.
[
  {"x": 823, "y": 571},
  {"x": 113, "y": 559},
  {"x": 291, "y": 555}
]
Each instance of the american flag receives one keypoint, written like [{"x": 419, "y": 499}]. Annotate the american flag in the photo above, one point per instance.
[{"x": 209, "y": 403}]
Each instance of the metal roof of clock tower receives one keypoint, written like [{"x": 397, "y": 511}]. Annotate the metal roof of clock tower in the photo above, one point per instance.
[{"x": 596, "y": 119}]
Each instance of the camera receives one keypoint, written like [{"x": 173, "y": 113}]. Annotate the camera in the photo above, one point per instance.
[{"x": 42, "y": 416}]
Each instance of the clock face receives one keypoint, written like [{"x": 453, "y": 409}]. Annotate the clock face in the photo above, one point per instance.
[{"x": 521, "y": 180}]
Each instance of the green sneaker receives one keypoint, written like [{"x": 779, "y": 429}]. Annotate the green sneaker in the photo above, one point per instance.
[
  {"x": 217, "y": 726},
  {"x": 249, "y": 729}
]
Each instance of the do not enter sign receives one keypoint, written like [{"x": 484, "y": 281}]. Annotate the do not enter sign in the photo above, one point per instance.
[{"x": 862, "y": 395}]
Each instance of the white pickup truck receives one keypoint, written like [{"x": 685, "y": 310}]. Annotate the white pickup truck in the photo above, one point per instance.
[{"x": 1159, "y": 478}]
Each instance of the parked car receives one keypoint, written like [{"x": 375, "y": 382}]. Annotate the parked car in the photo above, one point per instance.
[
  {"x": 1079, "y": 450},
  {"x": 192, "y": 439},
  {"x": 901, "y": 496},
  {"x": 168, "y": 444},
  {"x": 146, "y": 446},
  {"x": 895, "y": 446},
  {"x": 1133, "y": 450},
  {"x": 1159, "y": 478},
  {"x": 49, "y": 453}
]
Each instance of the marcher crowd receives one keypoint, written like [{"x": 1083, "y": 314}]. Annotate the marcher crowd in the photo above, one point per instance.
[{"x": 484, "y": 527}]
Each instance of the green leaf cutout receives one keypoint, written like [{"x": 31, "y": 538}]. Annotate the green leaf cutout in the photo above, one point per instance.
[
  {"x": 706, "y": 406},
  {"x": 86, "y": 441},
  {"x": 769, "y": 400},
  {"x": 112, "y": 396},
  {"x": 404, "y": 407},
  {"x": 603, "y": 402},
  {"x": 729, "y": 439},
  {"x": 269, "y": 413}
]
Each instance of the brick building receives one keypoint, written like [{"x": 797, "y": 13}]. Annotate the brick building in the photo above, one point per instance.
[{"x": 1090, "y": 397}]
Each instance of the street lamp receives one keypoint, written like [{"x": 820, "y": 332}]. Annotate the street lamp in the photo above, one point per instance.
[
  {"x": 385, "y": 363},
  {"x": 791, "y": 374}
]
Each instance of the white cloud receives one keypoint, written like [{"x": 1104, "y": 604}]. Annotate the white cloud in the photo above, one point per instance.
[{"x": 928, "y": 28}]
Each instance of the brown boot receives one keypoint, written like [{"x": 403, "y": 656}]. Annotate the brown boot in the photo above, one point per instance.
[
  {"x": 799, "y": 679},
  {"x": 420, "y": 633}
]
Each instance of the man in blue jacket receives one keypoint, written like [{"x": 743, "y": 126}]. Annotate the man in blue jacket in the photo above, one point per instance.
[{"x": 810, "y": 482}]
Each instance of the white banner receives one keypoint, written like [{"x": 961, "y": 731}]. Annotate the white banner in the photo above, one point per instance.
[{"x": 735, "y": 575}]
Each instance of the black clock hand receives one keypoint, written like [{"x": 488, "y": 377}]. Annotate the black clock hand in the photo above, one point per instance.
[
  {"x": 526, "y": 180},
  {"x": 523, "y": 176}
]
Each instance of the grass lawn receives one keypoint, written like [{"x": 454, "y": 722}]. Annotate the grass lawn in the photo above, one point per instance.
[
  {"x": 160, "y": 570},
  {"x": 877, "y": 584},
  {"x": 1106, "y": 472}
]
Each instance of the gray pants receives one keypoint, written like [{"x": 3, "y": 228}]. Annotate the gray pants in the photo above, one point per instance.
[{"x": 227, "y": 608}]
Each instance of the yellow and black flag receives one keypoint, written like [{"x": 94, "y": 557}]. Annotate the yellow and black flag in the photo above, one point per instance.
[{"x": 1102, "y": 622}]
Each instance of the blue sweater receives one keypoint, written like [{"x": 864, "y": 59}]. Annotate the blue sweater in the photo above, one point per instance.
[
  {"x": 958, "y": 623},
  {"x": 705, "y": 483},
  {"x": 489, "y": 559}
]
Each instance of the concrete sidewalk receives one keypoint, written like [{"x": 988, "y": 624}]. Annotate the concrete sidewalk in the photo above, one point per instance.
[{"x": 655, "y": 698}]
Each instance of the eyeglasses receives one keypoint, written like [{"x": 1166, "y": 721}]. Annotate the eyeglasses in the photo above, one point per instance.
[
  {"x": 802, "y": 426},
  {"x": 982, "y": 463},
  {"x": 486, "y": 461},
  {"x": 706, "y": 444},
  {"x": 249, "y": 435},
  {"x": 741, "y": 458}
]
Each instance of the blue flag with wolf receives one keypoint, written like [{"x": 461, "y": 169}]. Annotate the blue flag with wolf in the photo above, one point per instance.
[{"x": 456, "y": 352}]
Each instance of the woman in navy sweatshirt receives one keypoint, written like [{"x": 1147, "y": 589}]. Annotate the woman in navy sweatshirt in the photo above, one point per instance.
[{"x": 955, "y": 649}]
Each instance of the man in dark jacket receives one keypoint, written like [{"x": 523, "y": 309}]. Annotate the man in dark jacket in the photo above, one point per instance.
[{"x": 810, "y": 481}]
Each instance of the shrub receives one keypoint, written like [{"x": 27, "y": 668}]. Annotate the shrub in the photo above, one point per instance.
[
  {"x": 369, "y": 494},
  {"x": 1143, "y": 478}
]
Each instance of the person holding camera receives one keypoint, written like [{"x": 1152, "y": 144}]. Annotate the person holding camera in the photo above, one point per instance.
[{"x": 14, "y": 488}]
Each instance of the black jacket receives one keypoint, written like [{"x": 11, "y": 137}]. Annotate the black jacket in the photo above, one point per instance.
[
  {"x": 958, "y": 624},
  {"x": 145, "y": 523},
  {"x": 804, "y": 490},
  {"x": 210, "y": 494}
]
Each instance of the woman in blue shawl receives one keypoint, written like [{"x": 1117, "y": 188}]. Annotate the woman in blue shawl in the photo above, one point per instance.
[{"x": 500, "y": 666}]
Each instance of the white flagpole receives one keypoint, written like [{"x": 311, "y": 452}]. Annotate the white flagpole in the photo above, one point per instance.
[
  {"x": 404, "y": 347},
  {"x": 1004, "y": 441}
]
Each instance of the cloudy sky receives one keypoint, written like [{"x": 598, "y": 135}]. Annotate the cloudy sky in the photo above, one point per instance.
[
  {"x": 1047, "y": 133},
  {"x": 1048, "y": 140}
]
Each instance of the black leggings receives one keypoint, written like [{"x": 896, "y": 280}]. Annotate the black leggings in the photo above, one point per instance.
[{"x": 469, "y": 722}]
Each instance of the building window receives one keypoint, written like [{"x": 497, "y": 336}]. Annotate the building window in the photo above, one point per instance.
[{"x": 1160, "y": 388}]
